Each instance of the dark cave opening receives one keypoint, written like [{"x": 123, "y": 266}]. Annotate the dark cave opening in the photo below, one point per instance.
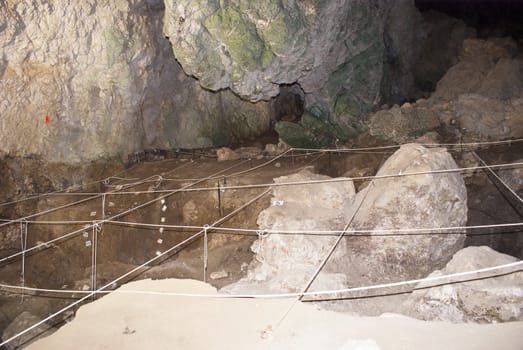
[
  {"x": 496, "y": 18},
  {"x": 289, "y": 104}
]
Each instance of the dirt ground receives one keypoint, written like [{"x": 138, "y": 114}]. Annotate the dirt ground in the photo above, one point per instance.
[
  {"x": 67, "y": 264},
  {"x": 135, "y": 321}
]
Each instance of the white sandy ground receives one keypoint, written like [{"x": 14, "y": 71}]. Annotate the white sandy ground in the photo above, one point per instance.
[{"x": 137, "y": 321}]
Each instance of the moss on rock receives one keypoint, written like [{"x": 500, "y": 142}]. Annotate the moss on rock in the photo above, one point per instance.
[{"x": 238, "y": 34}]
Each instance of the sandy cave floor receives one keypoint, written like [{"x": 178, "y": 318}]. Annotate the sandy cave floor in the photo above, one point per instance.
[{"x": 137, "y": 321}]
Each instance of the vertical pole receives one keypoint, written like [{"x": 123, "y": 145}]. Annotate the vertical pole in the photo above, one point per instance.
[
  {"x": 220, "y": 199},
  {"x": 205, "y": 252},
  {"x": 23, "y": 244},
  {"x": 94, "y": 239}
]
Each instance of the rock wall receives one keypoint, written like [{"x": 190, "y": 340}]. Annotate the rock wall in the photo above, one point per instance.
[
  {"x": 96, "y": 78},
  {"x": 346, "y": 56}
]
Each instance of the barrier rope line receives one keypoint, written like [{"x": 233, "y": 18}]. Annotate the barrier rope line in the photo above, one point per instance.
[
  {"x": 48, "y": 243},
  {"x": 325, "y": 259},
  {"x": 469, "y": 144},
  {"x": 137, "y": 268},
  {"x": 331, "y": 180},
  {"x": 340, "y": 150},
  {"x": 205, "y": 251},
  {"x": 465, "y": 276},
  {"x": 358, "y": 232},
  {"x": 23, "y": 246},
  {"x": 489, "y": 168},
  {"x": 71, "y": 188},
  {"x": 95, "y": 196}
]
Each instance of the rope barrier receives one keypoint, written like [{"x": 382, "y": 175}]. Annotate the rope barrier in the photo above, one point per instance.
[
  {"x": 314, "y": 182},
  {"x": 463, "y": 144},
  {"x": 24, "y": 222},
  {"x": 354, "y": 232},
  {"x": 137, "y": 268},
  {"x": 98, "y": 195},
  {"x": 71, "y": 188},
  {"x": 70, "y": 234},
  {"x": 489, "y": 168},
  {"x": 205, "y": 251},
  {"x": 340, "y": 150},
  {"x": 514, "y": 267},
  {"x": 23, "y": 247}
]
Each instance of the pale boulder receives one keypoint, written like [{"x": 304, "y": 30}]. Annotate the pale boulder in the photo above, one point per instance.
[{"x": 427, "y": 200}]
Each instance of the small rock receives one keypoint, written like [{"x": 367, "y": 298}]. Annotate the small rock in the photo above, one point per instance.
[
  {"x": 216, "y": 275},
  {"x": 226, "y": 153}
]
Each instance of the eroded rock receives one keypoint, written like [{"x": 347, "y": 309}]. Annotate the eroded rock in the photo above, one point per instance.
[
  {"x": 480, "y": 98},
  {"x": 407, "y": 202},
  {"x": 285, "y": 262},
  {"x": 497, "y": 299}
]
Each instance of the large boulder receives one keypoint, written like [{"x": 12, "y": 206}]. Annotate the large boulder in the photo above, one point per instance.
[
  {"x": 286, "y": 262},
  {"x": 496, "y": 299},
  {"x": 399, "y": 202},
  {"x": 485, "y": 118}
]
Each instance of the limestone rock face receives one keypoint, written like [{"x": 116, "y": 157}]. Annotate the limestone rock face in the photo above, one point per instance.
[
  {"x": 420, "y": 201},
  {"x": 286, "y": 262},
  {"x": 252, "y": 47},
  {"x": 89, "y": 79},
  {"x": 498, "y": 299},
  {"x": 345, "y": 55},
  {"x": 81, "y": 64}
]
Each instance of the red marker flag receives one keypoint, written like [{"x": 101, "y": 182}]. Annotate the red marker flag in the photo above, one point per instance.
[{"x": 47, "y": 119}]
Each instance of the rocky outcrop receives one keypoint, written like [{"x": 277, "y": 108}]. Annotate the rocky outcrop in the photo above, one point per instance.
[
  {"x": 479, "y": 98},
  {"x": 495, "y": 299},
  {"x": 403, "y": 123},
  {"x": 253, "y": 48},
  {"x": 489, "y": 68},
  {"x": 286, "y": 262},
  {"x": 93, "y": 79},
  {"x": 420, "y": 201}
]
